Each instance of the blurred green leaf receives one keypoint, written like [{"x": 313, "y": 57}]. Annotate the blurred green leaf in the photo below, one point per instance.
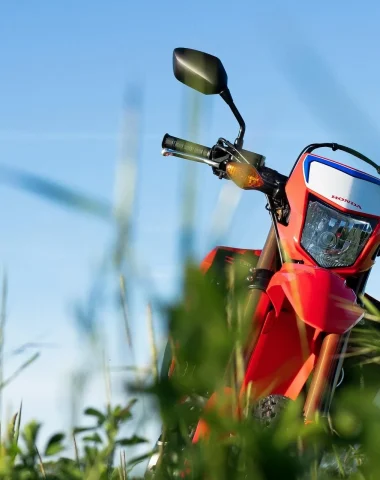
[
  {"x": 124, "y": 413},
  {"x": 84, "y": 429},
  {"x": 95, "y": 438},
  {"x": 93, "y": 412},
  {"x": 91, "y": 454},
  {"x": 30, "y": 434},
  {"x": 135, "y": 440},
  {"x": 54, "y": 445}
]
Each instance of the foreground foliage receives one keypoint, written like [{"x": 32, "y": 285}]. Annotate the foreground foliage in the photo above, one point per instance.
[
  {"x": 207, "y": 330},
  {"x": 21, "y": 459}
]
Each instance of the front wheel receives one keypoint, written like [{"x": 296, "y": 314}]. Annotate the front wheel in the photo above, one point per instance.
[{"x": 268, "y": 410}]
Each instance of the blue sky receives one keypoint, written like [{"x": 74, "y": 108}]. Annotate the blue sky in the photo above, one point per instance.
[{"x": 64, "y": 70}]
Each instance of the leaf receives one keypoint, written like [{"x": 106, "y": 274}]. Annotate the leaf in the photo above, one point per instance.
[
  {"x": 93, "y": 412},
  {"x": 30, "y": 434},
  {"x": 125, "y": 442},
  {"x": 139, "y": 459},
  {"x": 17, "y": 430},
  {"x": 83, "y": 429},
  {"x": 12, "y": 428},
  {"x": 91, "y": 454},
  {"x": 93, "y": 438},
  {"x": 124, "y": 413},
  {"x": 54, "y": 445},
  {"x": 12, "y": 450}
]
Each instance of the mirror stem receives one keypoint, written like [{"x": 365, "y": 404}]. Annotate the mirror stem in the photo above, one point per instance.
[{"x": 227, "y": 97}]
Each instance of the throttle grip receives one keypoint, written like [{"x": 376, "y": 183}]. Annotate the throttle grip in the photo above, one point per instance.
[{"x": 183, "y": 146}]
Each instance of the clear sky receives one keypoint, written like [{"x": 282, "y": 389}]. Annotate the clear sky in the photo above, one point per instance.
[{"x": 64, "y": 70}]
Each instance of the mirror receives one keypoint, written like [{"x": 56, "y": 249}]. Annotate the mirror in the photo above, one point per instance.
[{"x": 201, "y": 71}]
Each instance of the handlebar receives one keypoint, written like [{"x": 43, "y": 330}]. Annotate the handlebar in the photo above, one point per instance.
[
  {"x": 221, "y": 154},
  {"x": 222, "y": 151},
  {"x": 185, "y": 147}
]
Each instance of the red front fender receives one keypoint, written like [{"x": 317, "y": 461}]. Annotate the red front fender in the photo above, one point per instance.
[{"x": 319, "y": 297}]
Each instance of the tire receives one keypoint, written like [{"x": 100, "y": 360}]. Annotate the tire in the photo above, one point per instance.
[{"x": 268, "y": 410}]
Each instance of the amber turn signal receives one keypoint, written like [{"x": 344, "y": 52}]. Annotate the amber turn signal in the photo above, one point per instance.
[{"x": 244, "y": 175}]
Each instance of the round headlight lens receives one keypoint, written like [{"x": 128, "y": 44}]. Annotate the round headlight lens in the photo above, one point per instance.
[{"x": 332, "y": 238}]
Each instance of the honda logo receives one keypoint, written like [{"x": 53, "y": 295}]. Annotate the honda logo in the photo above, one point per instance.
[{"x": 341, "y": 199}]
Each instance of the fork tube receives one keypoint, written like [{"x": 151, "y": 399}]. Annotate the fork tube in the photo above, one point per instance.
[
  {"x": 267, "y": 258},
  {"x": 335, "y": 371},
  {"x": 258, "y": 302},
  {"x": 326, "y": 365}
]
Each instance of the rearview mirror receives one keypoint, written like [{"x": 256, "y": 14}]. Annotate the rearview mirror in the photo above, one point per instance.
[
  {"x": 205, "y": 73},
  {"x": 201, "y": 71}
]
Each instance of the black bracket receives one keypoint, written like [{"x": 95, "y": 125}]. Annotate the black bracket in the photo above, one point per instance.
[{"x": 260, "y": 278}]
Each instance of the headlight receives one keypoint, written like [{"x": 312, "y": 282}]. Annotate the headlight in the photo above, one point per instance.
[{"x": 332, "y": 238}]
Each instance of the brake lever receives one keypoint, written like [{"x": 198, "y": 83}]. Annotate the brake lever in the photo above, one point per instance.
[{"x": 167, "y": 152}]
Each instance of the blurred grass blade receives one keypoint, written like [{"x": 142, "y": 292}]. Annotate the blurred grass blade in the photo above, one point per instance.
[
  {"x": 41, "y": 464},
  {"x": 3, "y": 313},
  {"x": 228, "y": 201},
  {"x": 76, "y": 451},
  {"x": 126, "y": 171},
  {"x": 15, "y": 374},
  {"x": 370, "y": 306},
  {"x": 190, "y": 180},
  {"x": 152, "y": 342},
  {"x": 123, "y": 306},
  {"x": 55, "y": 192},
  {"x": 18, "y": 425},
  {"x": 107, "y": 378}
]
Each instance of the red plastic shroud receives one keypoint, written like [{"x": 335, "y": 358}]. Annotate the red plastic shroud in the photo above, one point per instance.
[{"x": 306, "y": 301}]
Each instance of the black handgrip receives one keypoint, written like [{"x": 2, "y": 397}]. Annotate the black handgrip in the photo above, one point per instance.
[{"x": 182, "y": 146}]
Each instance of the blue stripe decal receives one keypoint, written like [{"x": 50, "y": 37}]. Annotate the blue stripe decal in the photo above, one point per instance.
[{"x": 343, "y": 168}]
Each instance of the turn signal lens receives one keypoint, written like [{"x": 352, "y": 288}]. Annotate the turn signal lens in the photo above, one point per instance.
[{"x": 244, "y": 175}]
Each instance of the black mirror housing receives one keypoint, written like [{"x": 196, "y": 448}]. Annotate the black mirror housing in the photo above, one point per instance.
[{"x": 201, "y": 71}]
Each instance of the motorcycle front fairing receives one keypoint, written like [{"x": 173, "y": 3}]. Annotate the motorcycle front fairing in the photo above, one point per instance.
[{"x": 330, "y": 204}]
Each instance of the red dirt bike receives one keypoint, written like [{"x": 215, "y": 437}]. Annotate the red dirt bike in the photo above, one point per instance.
[{"x": 308, "y": 279}]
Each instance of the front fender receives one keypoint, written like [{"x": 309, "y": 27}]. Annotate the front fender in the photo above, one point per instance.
[{"x": 319, "y": 297}]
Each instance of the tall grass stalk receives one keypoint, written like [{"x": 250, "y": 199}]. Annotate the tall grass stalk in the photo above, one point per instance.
[{"x": 3, "y": 315}]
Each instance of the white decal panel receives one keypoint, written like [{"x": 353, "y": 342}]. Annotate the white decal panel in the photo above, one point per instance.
[{"x": 344, "y": 190}]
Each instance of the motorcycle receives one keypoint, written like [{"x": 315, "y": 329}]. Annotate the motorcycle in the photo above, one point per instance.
[{"x": 306, "y": 285}]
